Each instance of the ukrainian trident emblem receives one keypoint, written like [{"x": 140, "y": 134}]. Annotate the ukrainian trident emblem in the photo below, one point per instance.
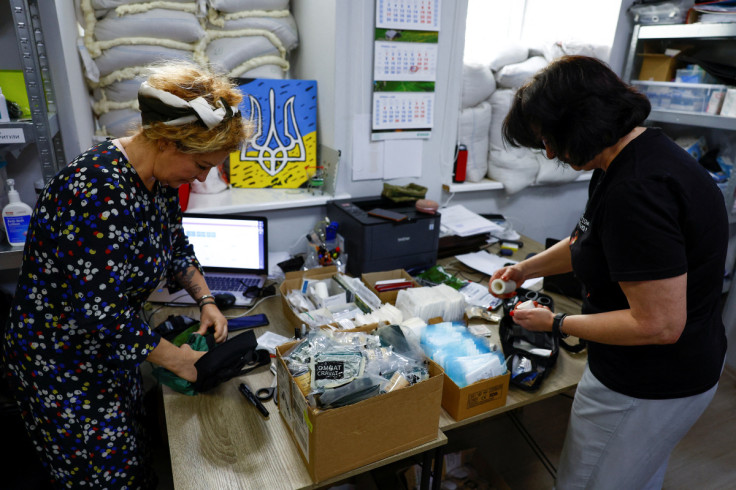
[{"x": 283, "y": 147}]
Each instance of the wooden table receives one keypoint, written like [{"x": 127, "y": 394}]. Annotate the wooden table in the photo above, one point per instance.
[{"x": 218, "y": 440}]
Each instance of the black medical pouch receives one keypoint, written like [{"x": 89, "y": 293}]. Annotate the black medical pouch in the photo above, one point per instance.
[
  {"x": 232, "y": 358},
  {"x": 528, "y": 368}
]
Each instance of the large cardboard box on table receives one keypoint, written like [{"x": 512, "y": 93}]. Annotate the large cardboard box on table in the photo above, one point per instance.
[
  {"x": 338, "y": 440},
  {"x": 370, "y": 279}
]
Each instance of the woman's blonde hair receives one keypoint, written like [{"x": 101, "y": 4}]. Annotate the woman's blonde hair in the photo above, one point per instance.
[{"x": 188, "y": 81}]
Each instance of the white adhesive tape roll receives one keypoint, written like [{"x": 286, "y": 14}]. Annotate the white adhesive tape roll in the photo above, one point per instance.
[
  {"x": 503, "y": 287},
  {"x": 320, "y": 290}
]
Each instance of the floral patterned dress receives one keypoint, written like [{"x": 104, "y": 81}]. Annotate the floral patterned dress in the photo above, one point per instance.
[{"x": 98, "y": 243}]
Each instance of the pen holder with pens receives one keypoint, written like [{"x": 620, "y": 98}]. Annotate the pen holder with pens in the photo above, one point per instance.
[{"x": 326, "y": 247}]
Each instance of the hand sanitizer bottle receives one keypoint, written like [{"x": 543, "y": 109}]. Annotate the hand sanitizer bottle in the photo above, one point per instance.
[{"x": 16, "y": 217}]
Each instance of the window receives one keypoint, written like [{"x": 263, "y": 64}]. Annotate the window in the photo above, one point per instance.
[{"x": 535, "y": 23}]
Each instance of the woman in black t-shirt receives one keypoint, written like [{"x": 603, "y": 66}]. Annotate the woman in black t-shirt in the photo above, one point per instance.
[{"x": 650, "y": 251}]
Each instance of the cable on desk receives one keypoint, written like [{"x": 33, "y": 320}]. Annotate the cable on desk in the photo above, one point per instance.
[
  {"x": 250, "y": 309},
  {"x": 150, "y": 317},
  {"x": 533, "y": 444}
]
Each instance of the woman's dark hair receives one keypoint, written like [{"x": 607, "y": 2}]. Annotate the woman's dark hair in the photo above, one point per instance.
[{"x": 578, "y": 105}]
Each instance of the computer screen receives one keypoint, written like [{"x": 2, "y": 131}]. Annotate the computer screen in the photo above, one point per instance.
[{"x": 228, "y": 242}]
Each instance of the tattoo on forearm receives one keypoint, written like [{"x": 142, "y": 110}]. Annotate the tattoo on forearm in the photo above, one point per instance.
[{"x": 185, "y": 279}]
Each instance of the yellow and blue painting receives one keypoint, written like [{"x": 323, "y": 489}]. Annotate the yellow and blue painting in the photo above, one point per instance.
[{"x": 283, "y": 150}]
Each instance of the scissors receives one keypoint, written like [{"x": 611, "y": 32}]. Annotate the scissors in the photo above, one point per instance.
[{"x": 265, "y": 394}]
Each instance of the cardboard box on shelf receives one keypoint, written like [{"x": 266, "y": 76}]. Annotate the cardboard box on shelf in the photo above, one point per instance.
[
  {"x": 657, "y": 67},
  {"x": 370, "y": 279},
  {"x": 338, "y": 440}
]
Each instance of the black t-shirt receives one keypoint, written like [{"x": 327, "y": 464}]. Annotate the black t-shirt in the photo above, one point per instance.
[{"x": 654, "y": 214}]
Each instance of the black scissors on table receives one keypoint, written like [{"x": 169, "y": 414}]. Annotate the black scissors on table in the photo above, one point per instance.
[{"x": 265, "y": 394}]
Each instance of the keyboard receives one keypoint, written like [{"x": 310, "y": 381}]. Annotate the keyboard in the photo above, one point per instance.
[{"x": 237, "y": 284}]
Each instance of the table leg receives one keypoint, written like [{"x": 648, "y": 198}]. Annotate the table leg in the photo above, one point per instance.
[
  {"x": 426, "y": 470},
  {"x": 439, "y": 462}
]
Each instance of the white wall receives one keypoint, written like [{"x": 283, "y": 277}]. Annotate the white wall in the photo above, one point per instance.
[
  {"x": 336, "y": 49},
  {"x": 340, "y": 57},
  {"x": 345, "y": 81}
]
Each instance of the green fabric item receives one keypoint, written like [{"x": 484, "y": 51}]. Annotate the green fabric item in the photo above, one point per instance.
[
  {"x": 404, "y": 193},
  {"x": 164, "y": 376},
  {"x": 438, "y": 275},
  {"x": 184, "y": 336}
]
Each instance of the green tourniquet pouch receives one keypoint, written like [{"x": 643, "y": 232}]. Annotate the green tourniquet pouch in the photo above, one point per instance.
[
  {"x": 164, "y": 376},
  {"x": 235, "y": 357},
  {"x": 406, "y": 193}
]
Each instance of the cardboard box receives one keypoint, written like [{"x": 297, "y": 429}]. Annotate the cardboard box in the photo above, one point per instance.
[
  {"x": 370, "y": 279},
  {"x": 335, "y": 441},
  {"x": 293, "y": 280},
  {"x": 474, "y": 399},
  {"x": 657, "y": 67}
]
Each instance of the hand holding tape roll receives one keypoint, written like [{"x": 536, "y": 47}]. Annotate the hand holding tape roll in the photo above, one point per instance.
[{"x": 499, "y": 286}]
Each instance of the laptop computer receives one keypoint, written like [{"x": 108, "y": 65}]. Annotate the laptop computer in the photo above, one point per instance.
[{"x": 233, "y": 252}]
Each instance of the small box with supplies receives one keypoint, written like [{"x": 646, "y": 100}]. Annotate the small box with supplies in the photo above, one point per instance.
[
  {"x": 474, "y": 399},
  {"x": 295, "y": 280},
  {"x": 476, "y": 378},
  {"x": 336, "y": 440},
  {"x": 387, "y": 284},
  {"x": 325, "y": 297}
]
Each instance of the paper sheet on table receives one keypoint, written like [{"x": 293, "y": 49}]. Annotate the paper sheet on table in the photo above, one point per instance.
[
  {"x": 489, "y": 263},
  {"x": 463, "y": 222}
]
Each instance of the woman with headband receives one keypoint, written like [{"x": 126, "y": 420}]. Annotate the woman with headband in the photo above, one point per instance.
[{"x": 105, "y": 231}]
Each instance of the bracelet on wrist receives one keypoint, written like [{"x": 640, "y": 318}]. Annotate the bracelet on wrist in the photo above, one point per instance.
[
  {"x": 557, "y": 325},
  {"x": 205, "y": 303},
  {"x": 204, "y": 297}
]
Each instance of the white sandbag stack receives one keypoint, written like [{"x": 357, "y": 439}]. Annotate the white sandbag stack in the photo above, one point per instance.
[
  {"x": 475, "y": 119},
  {"x": 515, "y": 168},
  {"x": 511, "y": 67},
  {"x": 472, "y": 131},
  {"x": 250, "y": 38},
  {"x": 517, "y": 74},
  {"x": 121, "y": 37}
]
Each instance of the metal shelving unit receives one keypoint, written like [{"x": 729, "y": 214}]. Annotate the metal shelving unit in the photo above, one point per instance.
[
  {"x": 680, "y": 34},
  {"x": 43, "y": 128},
  {"x": 37, "y": 74}
]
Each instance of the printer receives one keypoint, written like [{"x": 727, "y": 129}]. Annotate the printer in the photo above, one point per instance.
[{"x": 376, "y": 244}]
